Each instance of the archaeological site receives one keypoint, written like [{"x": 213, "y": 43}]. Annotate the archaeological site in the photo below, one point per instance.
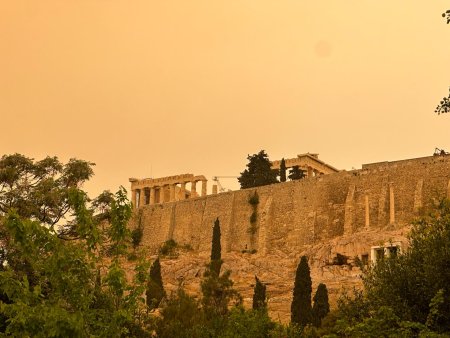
[{"x": 342, "y": 220}]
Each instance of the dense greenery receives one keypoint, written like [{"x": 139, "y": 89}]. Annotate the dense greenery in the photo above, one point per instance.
[
  {"x": 52, "y": 287},
  {"x": 408, "y": 294},
  {"x": 301, "y": 312},
  {"x": 259, "y": 171}
]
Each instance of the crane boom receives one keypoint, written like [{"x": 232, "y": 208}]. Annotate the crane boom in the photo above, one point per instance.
[{"x": 219, "y": 185}]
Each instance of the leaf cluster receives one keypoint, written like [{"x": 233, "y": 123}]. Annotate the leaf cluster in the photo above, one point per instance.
[{"x": 259, "y": 171}]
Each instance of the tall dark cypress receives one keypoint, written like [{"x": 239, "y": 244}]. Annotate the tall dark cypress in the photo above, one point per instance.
[
  {"x": 301, "y": 302},
  {"x": 155, "y": 289},
  {"x": 321, "y": 306},
  {"x": 259, "y": 295},
  {"x": 283, "y": 170},
  {"x": 216, "y": 250}
]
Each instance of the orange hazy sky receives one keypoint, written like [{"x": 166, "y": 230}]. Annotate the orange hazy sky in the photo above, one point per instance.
[{"x": 156, "y": 88}]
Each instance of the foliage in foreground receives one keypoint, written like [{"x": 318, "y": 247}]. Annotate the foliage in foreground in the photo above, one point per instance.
[
  {"x": 407, "y": 295},
  {"x": 52, "y": 287}
]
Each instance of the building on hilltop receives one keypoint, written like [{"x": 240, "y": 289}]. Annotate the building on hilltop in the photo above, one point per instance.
[
  {"x": 309, "y": 163},
  {"x": 149, "y": 191}
]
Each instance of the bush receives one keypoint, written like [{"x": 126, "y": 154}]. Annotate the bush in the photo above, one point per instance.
[
  {"x": 254, "y": 199},
  {"x": 168, "y": 248},
  {"x": 136, "y": 236},
  {"x": 340, "y": 259}
]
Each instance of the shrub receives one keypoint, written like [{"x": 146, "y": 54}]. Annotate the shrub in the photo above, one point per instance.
[
  {"x": 254, "y": 199},
  {"x": 136, "y": 236},
  {"x": 168, "y": 248}
]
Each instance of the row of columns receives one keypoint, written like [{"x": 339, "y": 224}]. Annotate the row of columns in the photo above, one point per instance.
[
  {"x": 138, "y": 196},
  {"x": 313, "y": 172}
]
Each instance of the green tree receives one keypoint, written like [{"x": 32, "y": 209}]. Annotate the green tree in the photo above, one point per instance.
[
  {"x": 295, "y": 173},
  {"x": 321, "y": 307},
  {"x": 155, "y": 289},
  {"x": 247, "y": 324},
  {"x": 216, "y": 249},
  {"x": 283, "y": 170},
  {"x": 259, "y": 295},
  {"x": 408, "y": 282},
  {"x": 39, "y": 190},
  {"x": 301, "y": 302},
  {"x": 407, "y": 294},
  {"x": 443, "y": 106},
  {"x": 217, "y": 289},
  {"x": 182, "y": 317},
  {"x": 52, "y": 287},
  {"x": 259, "y": 171}
]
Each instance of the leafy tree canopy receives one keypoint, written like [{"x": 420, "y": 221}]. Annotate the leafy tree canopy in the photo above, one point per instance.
[
  {"x": 259, "y": 171},
  {"x": 39, "y": 190},
  {"x": 52, "y": 287},
  {"x": 295, "y": 173},
  {"x": 406, "y": 295}
]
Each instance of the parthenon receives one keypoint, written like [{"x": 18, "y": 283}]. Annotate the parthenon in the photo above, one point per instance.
[
  {"x": 308, "y": 162},
  {"x": 149, "y": 191}
]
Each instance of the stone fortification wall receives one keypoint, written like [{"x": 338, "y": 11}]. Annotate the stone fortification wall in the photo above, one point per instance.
[
  {"x": 347, "y": 213},
  {"x": 295, "y": 215}
]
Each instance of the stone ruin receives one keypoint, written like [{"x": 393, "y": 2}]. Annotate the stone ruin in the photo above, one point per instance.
[{"x": 150, "y": 191}]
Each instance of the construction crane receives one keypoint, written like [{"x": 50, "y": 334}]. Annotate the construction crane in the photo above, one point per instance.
[
  {"x": 221, "y": 188},
  {"x": 440, "y": 152}
]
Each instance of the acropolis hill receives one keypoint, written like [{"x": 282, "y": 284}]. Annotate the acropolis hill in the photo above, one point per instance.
[{"x": 339, "y": 219}]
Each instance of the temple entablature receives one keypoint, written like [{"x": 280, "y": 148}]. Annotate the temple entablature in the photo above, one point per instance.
[
  {"x": 149, "y": 191},
  {"x": 310, "y": 163}
]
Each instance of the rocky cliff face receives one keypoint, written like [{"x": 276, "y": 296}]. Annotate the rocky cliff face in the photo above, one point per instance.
[
  {"x": 277, "y": 269},
  {"x": 338, "y": 220}
]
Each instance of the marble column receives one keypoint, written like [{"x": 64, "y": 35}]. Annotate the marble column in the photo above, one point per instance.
[
  {"x": 204, "y": 188},
  {"x": 183, "y": 190},
  {"x": 172, "y": 192},
  {"x": 142, "y": 197},
  {"x": 310, "y": 172},
  {"x": 193, "y": 189},
  {"x": 214, "y": 189},
  {"x": 152, "y": 195},
  {"x": 161, "y": 194},
  {"x": 133, "y": 198}
]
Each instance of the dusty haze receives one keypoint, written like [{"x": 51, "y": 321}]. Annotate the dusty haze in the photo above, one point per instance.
[{"x": 156, "y": 88}]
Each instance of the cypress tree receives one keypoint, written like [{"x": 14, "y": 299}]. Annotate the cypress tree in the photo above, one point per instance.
[
  {"x": 155, "y": 290},
  {"x": 301, "y": 302},
  {"x": 321, "y": 306},
  {"x": 259, "y": 295},
  {"x": 283, "y": 170},
  {"x": 216, "y": 250}
]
